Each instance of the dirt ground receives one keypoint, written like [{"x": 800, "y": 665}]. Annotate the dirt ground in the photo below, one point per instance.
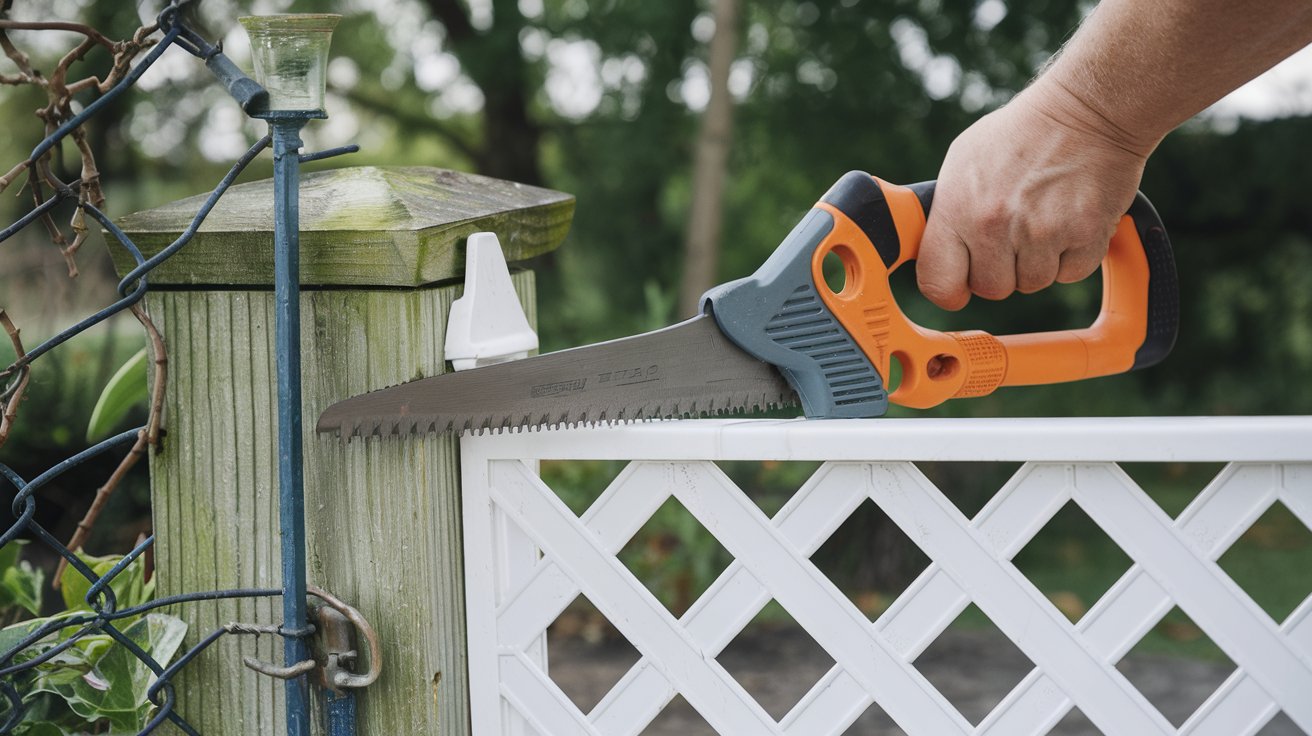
[{"x": 974, "y": 669}]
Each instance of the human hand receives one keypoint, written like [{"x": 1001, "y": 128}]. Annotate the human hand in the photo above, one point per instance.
[{"x": 1028, "y": 195}]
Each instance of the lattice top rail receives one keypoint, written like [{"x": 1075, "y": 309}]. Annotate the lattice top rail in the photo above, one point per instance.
[{"x": 1083, "y": 439}]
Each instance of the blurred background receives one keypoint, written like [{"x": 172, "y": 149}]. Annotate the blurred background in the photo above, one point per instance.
[{"x": 621, "y": 103}]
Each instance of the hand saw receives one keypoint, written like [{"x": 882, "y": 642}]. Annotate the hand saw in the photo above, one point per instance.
[{"x": 783, "y": 335}]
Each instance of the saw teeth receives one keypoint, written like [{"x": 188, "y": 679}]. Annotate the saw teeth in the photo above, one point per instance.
[{"x": 586, "y": 416}]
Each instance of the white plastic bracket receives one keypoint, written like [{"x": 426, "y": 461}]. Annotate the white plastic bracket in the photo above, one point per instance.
[{"x": 487, "y": 324}]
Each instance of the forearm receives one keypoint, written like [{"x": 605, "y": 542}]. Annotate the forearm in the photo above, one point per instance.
[{"x": 1137, "y": 69}]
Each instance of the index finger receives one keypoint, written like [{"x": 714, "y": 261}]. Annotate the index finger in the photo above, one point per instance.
[{"x": 943, "y": 266}]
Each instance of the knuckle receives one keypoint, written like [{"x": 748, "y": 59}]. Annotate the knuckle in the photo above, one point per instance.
[
  {"x": 1091, "y": 235},
  {"x": 995, "y": 221},
  {"x": 1077, "y": 265},
  {"x": 1028, "y": 282},
  {"x": 991, "y": 285},
  {"x": 1048, "y": 233},
  {"x": 1049, "y": 236}
]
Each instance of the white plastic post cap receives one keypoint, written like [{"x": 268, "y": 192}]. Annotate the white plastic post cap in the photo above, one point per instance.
[{"x": 487, "y": 324}]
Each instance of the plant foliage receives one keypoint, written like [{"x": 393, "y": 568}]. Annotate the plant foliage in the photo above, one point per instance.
[{"x": 95, "y": 685}]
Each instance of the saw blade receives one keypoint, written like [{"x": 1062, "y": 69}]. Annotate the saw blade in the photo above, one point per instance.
[{"x": 686, "y": 370}]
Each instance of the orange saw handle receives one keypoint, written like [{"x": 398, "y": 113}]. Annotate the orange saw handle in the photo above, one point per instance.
[{"x": 878, "y": 227}]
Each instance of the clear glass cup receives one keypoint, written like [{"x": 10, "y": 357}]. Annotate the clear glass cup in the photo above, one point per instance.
[{"x": 291, "y": 57}]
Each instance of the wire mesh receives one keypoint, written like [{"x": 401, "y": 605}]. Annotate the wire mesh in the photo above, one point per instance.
[{"x": 105, "y": 617}]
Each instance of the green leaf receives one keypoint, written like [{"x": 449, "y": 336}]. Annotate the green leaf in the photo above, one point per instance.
[
  {"x": 41, "y": 728},
  {"x": 117, "y": 690},
  {"x": 130, "y": 586},
  {"x": 11, "y": 635},
  {"x": 125, "y": 391},
  {"x": 21, "y": 585},
  {"x": 73, "y": 663},
  {"x": 9, "y": 553}
]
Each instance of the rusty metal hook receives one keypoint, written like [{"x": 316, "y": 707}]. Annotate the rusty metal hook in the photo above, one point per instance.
[
  {"x": 282, "y": 673},
  {"x": 337, "y": 644},
  {"x": 334, "y": 675}
]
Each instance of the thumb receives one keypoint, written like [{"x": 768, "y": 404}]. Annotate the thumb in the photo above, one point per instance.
[{"x": 943, "y": 266}]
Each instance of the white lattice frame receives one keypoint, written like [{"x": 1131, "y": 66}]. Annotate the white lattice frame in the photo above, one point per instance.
[{"x": 514, "y": 591}]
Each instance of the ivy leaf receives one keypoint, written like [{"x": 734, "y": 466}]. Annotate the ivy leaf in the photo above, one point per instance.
[
  {"x": 95, "y": 681},
  {"x": 124, "y": 703},
  {"x": 130, "y": 586},
  {"x": 11, "y": 635},
  {"x": 75, "y": 662},
  {"x": 40, "y": 728}
]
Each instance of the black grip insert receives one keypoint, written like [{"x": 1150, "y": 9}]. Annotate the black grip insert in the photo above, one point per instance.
[
  {"x": 1163, "y": 285},
  {"x": 925, "y": 193},
  {"x": 858, "y": 196}
]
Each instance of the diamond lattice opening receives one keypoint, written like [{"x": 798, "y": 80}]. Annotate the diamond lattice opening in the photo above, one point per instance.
[
  {"x": 1074, "y": 723},
  {"x": 770, "y": 483},
  {"x": 775, "y": 660},
  {"x": 586, "y": 655},
  {"x": 1176, "y": 666},
  {"x": 1173, "y": 486},
  {"x": 1281, "y": 725},
  {"x": 580, "y": 482},
  {"x": 1270, "y": 561},
  {"x": 973, "y": 664},
  {"x": 1072, "y": 561},
  {"x": 675, "y": 556},
  {"x": 874, "y": 722},
  {"x": 678, "y": 719},
  {"x": 870, "y": 559},
  {"x": 969, "y": 485}
]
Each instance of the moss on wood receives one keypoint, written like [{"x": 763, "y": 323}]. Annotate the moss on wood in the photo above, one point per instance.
[{"x": 360, "y": 226}]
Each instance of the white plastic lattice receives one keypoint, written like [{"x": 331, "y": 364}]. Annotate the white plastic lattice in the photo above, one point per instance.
[{"x": 528, "y": 556}]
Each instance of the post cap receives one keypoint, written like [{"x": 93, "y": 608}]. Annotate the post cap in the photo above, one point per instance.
[{"x": 360, "y": 226}]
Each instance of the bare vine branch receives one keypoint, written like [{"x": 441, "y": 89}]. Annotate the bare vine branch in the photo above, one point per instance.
[
  {"x": 19, "y": 387},
  {"x": 161, "y": 363},
  {"x": 147, "y": 437},
  {"x": 61, "y": 88},
  {"x": 92, "y": 34},
  {"x": 59, "y": 109}
]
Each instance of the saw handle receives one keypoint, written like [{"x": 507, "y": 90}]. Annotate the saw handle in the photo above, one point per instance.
[{"x": 878, "y": 228}]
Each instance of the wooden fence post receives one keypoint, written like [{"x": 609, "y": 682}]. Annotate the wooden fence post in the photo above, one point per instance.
[{"x": 381, "y": 249}]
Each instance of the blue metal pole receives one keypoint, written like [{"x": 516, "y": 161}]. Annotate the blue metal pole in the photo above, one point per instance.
[
  {"x": 340, "y": 711},
  {"x": 291, "y": 472}
]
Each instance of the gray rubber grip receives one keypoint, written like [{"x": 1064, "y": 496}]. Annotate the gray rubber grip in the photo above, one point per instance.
[{"x": 777, "y": 316}]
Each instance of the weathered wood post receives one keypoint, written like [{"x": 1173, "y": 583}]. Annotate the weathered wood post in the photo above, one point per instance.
[{"x": 381, "y": 252}]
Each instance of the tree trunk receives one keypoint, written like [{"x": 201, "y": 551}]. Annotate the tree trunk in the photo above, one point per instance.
[
  {"x": 701, "y": 247},
  {"x": 493, "y": 60}
]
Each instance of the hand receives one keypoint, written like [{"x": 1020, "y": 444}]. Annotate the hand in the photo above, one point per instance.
[{"x": 1028, "y": 195}]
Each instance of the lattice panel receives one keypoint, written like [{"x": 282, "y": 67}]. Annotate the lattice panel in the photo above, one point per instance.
[{"x": 528, "y": 557}]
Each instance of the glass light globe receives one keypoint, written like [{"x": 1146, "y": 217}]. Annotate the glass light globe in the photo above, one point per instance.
[{"x": 291, "y": 57}]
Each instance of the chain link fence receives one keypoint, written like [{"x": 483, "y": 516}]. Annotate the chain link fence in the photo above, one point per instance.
[{"x": 29, "y": 654}]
